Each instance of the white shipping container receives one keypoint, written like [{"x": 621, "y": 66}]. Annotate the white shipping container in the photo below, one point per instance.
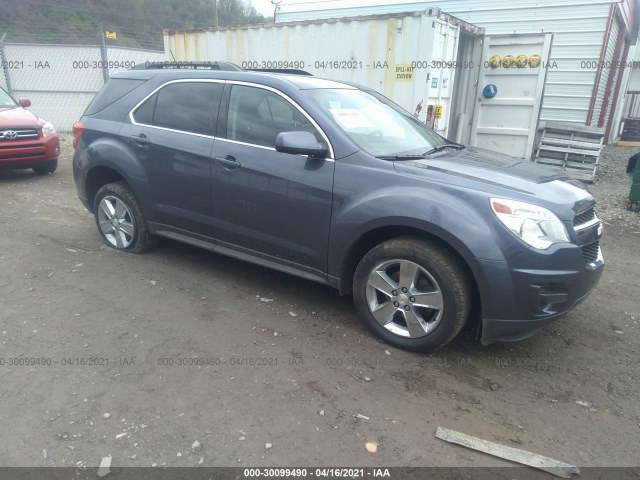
[
  {"x": 411, "y": 58},
  {"x": 434, "y": 65}
]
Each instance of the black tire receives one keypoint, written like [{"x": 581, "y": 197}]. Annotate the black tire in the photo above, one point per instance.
[
  {"x": 48, "y": 167},
  {"x": 131, "y": 233},
  {"x": 440, "y": 276}
]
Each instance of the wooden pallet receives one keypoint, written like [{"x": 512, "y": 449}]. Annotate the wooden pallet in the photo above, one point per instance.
[{"x": 571, "y": 148}]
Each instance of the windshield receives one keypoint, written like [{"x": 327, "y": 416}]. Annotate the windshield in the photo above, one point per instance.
[
  {"x": 374, "y": 123},
  {"x": 6, "y": 100}
]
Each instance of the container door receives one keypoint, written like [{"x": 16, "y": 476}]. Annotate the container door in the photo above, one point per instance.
[{"x": 509, "y": 93}]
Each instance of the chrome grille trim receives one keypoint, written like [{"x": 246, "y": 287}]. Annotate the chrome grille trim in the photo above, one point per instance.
[
  {"x": 22, "y": 134},
  {"x": 585, "y": 219}
]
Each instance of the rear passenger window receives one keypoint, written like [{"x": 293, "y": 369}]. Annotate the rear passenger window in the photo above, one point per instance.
[
  {"x": 144, "y": 113},
  {"x": 257, "y": 116},
  {"x": 185, "y": 106},
  {"x": 114, "y": 89}
]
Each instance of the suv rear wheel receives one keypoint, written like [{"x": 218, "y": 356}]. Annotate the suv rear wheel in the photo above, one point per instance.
[
  {"x": 120, "y": 220},
  {"x": 412, "y": 293}
]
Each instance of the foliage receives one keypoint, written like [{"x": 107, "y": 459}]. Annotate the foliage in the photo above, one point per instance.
[{"x": 138, "y": 23}]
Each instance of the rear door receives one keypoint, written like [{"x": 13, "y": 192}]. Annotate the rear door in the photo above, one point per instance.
[
  {"x": 172, "y": 132},
  {"x": 506, "y": 116},
  {"x": 273, "y": 204}
]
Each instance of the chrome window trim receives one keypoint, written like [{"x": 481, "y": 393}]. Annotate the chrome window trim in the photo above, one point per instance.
[
  {"x": 331, "y": 156},
  {"x": 220, "y": 139},
  {"x": 245, "y": 143},
  {"x": 292, "y": 102},
  {"x": 180, "y": 80}
]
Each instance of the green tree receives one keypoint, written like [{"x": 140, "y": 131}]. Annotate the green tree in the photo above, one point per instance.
[{"x": 138, "y": 23}]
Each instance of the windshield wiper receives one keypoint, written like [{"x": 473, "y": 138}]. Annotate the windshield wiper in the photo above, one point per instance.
[
  {"x": 439, "y": 148},
  {"x": 400, "y": 157}
]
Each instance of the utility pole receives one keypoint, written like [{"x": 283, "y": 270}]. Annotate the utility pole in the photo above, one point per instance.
[
  {"x": 215, "y": 13},
  {"x": 275, "y": 9},
  {"x": 103, "y": 55}
]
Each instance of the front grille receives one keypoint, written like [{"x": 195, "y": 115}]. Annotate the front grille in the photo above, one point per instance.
[
  {"x": 18, "y": 156},
  {"x": 584, "y": 217},
  {"x": 18, "y": 146},
  {"x": 590, "y": 252},
  {"x": 10, "y": 134}
]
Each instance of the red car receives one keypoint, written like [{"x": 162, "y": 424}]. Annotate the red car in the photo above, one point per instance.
[{"x": 26, "y": 140}]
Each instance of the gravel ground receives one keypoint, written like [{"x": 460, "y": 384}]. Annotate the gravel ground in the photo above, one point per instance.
[
  {"x": 611, "y": 188},
  {"x": 328, "y": 387}
]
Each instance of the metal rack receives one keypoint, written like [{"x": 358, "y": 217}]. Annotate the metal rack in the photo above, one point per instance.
[{"x": 570, "y": 148}]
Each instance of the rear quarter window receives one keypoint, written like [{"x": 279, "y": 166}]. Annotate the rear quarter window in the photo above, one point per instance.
[
  {"x": 113, "y": 90},
  {"x": 190, "y": 107}
]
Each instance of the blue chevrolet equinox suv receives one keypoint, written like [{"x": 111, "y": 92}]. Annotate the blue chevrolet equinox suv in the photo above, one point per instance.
[{"x": 335, "y": 183}]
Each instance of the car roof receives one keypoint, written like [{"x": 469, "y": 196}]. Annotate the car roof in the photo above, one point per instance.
[{"x": 300, "y": 82}]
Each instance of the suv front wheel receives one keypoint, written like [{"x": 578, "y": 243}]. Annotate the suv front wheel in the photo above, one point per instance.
[
  {"x": 120, "y": 220},
  {"x": 412, "y": 293}
]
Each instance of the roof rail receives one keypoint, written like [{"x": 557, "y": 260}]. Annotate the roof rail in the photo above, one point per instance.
[
  {"x": 292, "y": 71},
  {"x": 187, "y": 65}
]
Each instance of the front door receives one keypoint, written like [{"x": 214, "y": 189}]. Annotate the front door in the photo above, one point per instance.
[{"x": 273, "y": 204}]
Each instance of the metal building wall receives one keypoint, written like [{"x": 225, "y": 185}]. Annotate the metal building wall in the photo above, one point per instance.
[
  {"x": 578, "y": 26},
  {"x": 611, "y": 54}
]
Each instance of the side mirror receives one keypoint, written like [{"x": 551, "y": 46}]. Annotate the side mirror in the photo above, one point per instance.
[
  {"x": 24, "y": 102},
  {"x": 300, "y": 143}
]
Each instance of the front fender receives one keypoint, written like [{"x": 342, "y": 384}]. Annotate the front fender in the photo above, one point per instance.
[
  {"x": 448, "y": 215},
  {"x": 460, "y": 218}
]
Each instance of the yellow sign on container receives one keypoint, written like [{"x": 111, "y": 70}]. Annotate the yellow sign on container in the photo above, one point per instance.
[{"x": 404, "y": 72}]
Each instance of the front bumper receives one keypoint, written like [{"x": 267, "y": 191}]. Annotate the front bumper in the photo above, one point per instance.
[
  {"x": 523, "y": 295},
  {"x": 29, "y": 153}
]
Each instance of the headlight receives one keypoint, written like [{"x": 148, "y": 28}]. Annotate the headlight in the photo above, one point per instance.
[
  {"x": 48, "y": 130},
  {"x": 534, "y": 225}
]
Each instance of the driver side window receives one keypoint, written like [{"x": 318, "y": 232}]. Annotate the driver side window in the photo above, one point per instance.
[{"x": 256, "y": 116}]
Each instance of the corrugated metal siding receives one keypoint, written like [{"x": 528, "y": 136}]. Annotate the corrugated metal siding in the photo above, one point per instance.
[
  {"x": 632, "y": 106},
  {"x": 611, "y": 104},
  {"x": 293, "y": 11},
  {"x": 606, "y": 71},
  {"x": 569, "y": 84},
  {"x": 634, "y": 76}
]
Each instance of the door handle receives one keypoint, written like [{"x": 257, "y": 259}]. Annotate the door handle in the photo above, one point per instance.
[
  {"x": 229, "y": 162},
  {"x": 141, "y": 139}
]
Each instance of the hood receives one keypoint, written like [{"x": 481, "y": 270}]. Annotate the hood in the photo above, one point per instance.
[
  {"x": 18, "y": 117},
  {"x": 497, "y": 174}
]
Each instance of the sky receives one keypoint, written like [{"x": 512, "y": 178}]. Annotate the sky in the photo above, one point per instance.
[{"x": 263, "y": 6}]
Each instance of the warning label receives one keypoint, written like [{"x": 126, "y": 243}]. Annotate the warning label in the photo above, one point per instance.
[{"x": 404, "y": 72}]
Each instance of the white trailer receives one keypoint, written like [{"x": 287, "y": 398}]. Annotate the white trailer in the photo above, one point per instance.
[{"x": 428, "y": 62}]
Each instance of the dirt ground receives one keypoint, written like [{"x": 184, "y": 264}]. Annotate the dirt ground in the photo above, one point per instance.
[{"x": 182, "y": 345}]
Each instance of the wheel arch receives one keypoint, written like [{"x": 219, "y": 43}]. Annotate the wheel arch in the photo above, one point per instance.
[
  {"x": 373, "y": 237},
  {"x": 97, "y": 177},
  {"x": 110, "y": 160}
]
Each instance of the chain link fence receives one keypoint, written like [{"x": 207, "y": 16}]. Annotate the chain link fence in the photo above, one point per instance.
[{"x": 61, "y": 80}]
